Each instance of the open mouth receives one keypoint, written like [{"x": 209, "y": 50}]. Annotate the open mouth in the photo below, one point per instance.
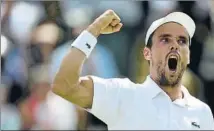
[{"x": 172, "y": 63}]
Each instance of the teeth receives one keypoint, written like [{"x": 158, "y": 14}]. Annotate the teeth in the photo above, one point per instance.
[{"x": 175, "y": 57}]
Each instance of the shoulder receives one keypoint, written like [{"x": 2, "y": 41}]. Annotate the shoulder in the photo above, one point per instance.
[
  {"x": 129, "y": 88},
  {"x": 205, "y": 113},
  {"x": 199, "y": 105},
  {"x": 194, "y": 102},
  {"x": 123, "y": 87},
  {"x": 123, "y": 83}
]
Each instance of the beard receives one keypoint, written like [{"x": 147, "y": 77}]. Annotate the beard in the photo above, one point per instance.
[{"x": 166, "y": 79}]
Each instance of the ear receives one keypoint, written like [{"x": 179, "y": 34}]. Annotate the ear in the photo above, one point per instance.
[{"x": 147, "y": 53}]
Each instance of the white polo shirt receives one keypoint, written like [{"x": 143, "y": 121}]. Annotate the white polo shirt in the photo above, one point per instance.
[{"x": 124, "y": 105}]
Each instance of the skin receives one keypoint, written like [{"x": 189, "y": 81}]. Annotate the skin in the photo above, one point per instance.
[{"x": 168, "y": 39}]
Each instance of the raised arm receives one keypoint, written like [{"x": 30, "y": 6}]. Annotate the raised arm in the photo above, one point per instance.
[{"x": 68, "y": 83}]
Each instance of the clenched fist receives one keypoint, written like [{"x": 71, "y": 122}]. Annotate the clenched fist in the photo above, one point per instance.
[{"x": 107, "y": 23}]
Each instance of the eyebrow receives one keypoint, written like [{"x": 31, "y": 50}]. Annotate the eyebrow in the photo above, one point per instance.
[
  {"x": 183, "y": 37},
  {"x": 165, "y": 35},
  {"x": 169, "y": 35}
]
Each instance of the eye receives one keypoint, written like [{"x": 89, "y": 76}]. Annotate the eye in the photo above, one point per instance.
[
  {"x": 165, "y": 40},
  {"x": 182, "y": 41}
]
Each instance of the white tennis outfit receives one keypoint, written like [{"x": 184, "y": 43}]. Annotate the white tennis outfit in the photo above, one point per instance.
[{"x": 124, "y": 105}]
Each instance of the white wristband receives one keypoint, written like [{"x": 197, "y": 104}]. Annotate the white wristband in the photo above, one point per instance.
[{"x": 85, "y": 42}]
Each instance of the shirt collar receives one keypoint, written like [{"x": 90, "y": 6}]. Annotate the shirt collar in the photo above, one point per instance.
[{"x": 154, "y": 90}]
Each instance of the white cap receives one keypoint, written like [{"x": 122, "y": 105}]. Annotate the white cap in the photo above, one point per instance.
[{"x": 177, "y": 17}]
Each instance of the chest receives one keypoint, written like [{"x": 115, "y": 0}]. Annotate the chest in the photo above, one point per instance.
[{"x": 154, "y": 115}]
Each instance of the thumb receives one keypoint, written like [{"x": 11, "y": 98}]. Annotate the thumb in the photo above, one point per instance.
[{"x": 117, "y": 27}]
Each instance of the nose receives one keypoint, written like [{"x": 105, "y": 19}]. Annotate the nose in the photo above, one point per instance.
[{"x": 173, "y": 48}]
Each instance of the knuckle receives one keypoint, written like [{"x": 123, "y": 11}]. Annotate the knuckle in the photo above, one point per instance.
[
  {"x": 118, "y": 20},
  {"x": 110, "y": 11}
]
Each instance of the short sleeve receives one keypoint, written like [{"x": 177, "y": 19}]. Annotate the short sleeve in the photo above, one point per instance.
[{"x": 106, "y": 99}]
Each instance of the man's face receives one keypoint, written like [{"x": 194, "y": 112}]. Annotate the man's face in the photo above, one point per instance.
[{"x": 169, "y": 53}]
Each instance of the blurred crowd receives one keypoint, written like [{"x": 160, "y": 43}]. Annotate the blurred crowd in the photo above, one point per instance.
[{"x": 36, "y": 35}]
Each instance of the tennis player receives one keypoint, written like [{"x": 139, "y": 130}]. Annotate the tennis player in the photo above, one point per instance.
[{"x": 161, "y": 102}]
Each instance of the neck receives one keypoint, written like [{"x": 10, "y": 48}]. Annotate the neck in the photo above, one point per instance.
[{"x": 174, "y": 92}]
